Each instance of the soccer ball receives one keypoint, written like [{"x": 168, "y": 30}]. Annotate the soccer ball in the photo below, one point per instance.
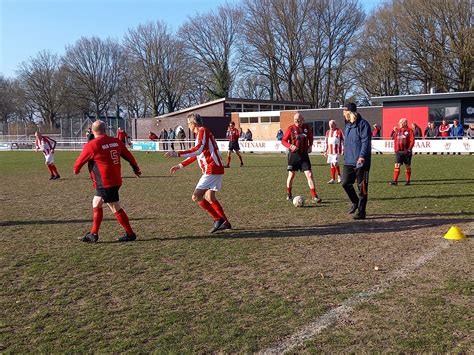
[{"x": 298, "y": 201}]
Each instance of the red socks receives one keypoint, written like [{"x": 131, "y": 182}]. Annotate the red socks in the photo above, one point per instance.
[
  {"x": 97, "y": 219},
  {"x": 205, "y": 205},
  {"x": 122, "y": 218},
  {"x": 218, "y": 208},
  {"x": 333, "y": 172},
  {"x": 53, "y": 170},
  {"x": 313, "y": 193},
  {"x": 396, "y": 173},
  {"x": 288, "y": 190},
  {"x": 408, "y": 173}
]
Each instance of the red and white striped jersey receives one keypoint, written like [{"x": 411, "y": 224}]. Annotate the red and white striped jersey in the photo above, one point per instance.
[
  {"x": 205, "y": 152},
  {"x": 45, "y": 144},
  {"x": 334, "y": 141}
]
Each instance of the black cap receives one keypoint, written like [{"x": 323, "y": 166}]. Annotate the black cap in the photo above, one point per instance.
[{"x": 350, "y": 106}]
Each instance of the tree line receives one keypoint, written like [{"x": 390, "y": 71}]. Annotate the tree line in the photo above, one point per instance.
[{"x": 316, "y": 51}]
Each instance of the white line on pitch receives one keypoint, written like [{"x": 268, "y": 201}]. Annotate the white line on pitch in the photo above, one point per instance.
[{"x": 331, "y": 317}]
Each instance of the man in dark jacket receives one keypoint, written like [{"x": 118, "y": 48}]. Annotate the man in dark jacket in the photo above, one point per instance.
[{"x": 357, "y": 158}]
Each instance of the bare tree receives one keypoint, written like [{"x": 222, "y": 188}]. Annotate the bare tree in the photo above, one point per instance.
[
  {"x": 95, "y": 67},
  {"x": 43, "y": 83},
  {"x": 211, "y": 39}
]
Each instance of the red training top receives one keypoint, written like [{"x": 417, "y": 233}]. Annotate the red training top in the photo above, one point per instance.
[
  {"x": 233, "y": 134},
  {"x": 404, "y": 139},
  {"x": 301, "y": 137},
  {"x": 103, "y": 155},
  {"x": 443, "y": 130}
]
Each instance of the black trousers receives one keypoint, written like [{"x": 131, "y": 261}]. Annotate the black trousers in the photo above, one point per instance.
[{"x": 349, "y": 175}]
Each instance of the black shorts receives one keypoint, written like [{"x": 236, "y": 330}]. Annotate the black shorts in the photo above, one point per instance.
[
  {"x": 234, "y": 146},
  {"x": 108, "y": 194},
  {"x": 298, "y": 162},
  {"x": 403, "y": 158}
]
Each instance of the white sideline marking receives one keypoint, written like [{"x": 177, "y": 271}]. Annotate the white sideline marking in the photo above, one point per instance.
[{"x": 331, "y": 317}]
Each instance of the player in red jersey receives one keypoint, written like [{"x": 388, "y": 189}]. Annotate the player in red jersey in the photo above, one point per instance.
[
  {"x": 122, "y": 135},
  {"x": 47, "y": 145},
  {"x": 207, "y": 154},
  {"x": 333, "y": 151},
  {"x": 403, "y": 141},
  {"x": 443, "y": 129},
  {"x": 298, "y": 138},
  {"x": 233, "y": 135},
  {"x": 103, "y": 155}
]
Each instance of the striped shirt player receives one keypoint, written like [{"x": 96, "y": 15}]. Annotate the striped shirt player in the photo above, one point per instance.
[
  {"x": 207, "y": 154},
  {"x": 47, "y": 146},
  {"x": 298, "y": 138},
  {"x": 233, "y": 135},
  {"x": 403, "y": 141},
  {"x": 333, "y": 150},
  {"x": 102, "y": 154}
]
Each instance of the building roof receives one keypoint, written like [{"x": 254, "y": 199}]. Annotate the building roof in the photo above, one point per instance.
[
  {"x": 232, "y": 100},
  {"x": 436, "y": 96}
]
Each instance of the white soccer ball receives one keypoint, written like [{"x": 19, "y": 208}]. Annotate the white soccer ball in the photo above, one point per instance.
[{"x": 298, "y": 201}]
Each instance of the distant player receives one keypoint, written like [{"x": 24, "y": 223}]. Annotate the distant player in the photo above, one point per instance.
[
  {"x": 210, "y": 161},
  {"x": 122, "y": 135},
  {"x": 403, "y": 141},
  {"x": 333, "y": 151},
  {"x": 443, "y": 129},
  {"x": 103, "y": 155},
  {"x": 233, "y": 135},
  {"x": 47, "y": 145},
  {"x": 298, "y": 138}
]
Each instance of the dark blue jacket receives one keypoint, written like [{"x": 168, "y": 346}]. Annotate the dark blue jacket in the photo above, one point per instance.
[{"x": 357, "y": 142}]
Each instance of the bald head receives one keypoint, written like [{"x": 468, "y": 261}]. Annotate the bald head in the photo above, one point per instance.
[
  {"x": 98, "y": 128},
  {"x": 298, "y": 119},
  {"x": 332, "y": 124},
  {"x": 403, "y": 123}
]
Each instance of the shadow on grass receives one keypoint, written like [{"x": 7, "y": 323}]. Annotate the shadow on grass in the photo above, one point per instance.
[
  {"x": 383, "y": 223},
  {"x": 65, "y": 221},
  {"x": 417, "y": 196}
]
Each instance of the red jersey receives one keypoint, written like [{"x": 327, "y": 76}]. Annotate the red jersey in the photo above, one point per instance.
[
  {"x": 205, "y": 152},
  {"x": 122, "y": 135},
  {"x": 404, "y": 139},
  {"x": 103, "y": 156},
  {"x": 45, "y": 144},
  {"x": 233, "y": 134},
  {"x": 152, "y": 137},
  {"x": 443, "y": 130},
  {"x": 334, "y": 141},
  {"x": 301, "y": 137}
]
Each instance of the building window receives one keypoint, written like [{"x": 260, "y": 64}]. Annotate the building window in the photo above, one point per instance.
[
  {"x": 250, "y": 108},
  {"x": 278, "y": 107},
  {"x": 265, "y": 107},
  {"x": 253, "y": 119},
  {"x": 290, "y": 107},
  {"x": 244, "y": 120},
  {"x": 319, "y": 128},
  {"x": 275, "y": 119},
  {"x": 265, "y": 119},
  {"x": 437, "y": 113}
]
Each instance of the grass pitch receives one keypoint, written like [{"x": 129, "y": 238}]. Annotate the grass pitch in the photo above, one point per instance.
[{"x": 178, "y": 289}]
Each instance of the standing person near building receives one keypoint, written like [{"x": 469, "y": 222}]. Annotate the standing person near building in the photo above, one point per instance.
[
  {"x": 47, "y": 145},
  {"x": 181, "y": 136},
  {"x": 279, "y": 134},
  {"x": 431, "y": 131},
  {"x": 416, "y": 130},
  {"x": 164, "y": 138},
  {"x": 444, "y": 129},
  {"x": 357, "y": 159},
  {"x": 248, "y": 135},
  {"x": 456, "y": 131},
  {"x": 152, "y": 136},
  {"x": 103, "y": 155},
  {"x": 122, "y": 135},
  {"x": 209, "y": 159},
  {"x": 233, "y": 137},
  {"x": 333, "y": 150},
  {"x": 403, "y": 142},
  {"x": 470, "y": 131},
  {"x": 376, "y": 132},
  {"x": 171, "y": 137},
  {"x": 298, "y": 138}
]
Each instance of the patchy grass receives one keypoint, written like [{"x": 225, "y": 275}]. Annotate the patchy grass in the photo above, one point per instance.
[{"x": 179, "y": 289}]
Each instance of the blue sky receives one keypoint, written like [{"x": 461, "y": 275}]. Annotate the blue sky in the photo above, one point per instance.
[{"x": 29, "y": 26}]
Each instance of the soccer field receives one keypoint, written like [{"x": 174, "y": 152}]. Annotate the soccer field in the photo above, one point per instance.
[{"x": 275, "y": 282}]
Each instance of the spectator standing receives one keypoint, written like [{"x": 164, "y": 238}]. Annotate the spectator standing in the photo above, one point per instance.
[
  {"x": 210, "y": 161},
  {"x": 333, "y": 150},
  {"x": 357, "y": 159},
  {"x": 376, "y": 132},
  {"x": 431, "y": 131},
  {"x": 392, "y": 135},
  {"x": 444, "y": 129},
  {"x": 298, "y": 138},
  {"x": 470, "y": 131},
  {"x": 241, "y": 134},
  {"x": 403, "y": 142},
  {"x": 171, "y": 137},
  {"x": 279, "y": 135},
  {"x": 248, "y": 135},
  {"x": 233, "y": 137},
  {"x": 122, "y": 135},
  {"x": 47, "y": 145},
  {"x": 164, "y": 137},
  {"x": 89, "y": 134},
  {"x": 103, "y": 155},
  {"x": 456, "y": 131},
  {"x": 152, "y": 136},
  {"x": 416, "y": 130},
  {"x": 181, "y": 136}
]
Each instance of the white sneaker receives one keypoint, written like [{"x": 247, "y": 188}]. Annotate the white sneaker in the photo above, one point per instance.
[
  {"x": 339, "y": 179},
  {"x": 332, "y": 181}
]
